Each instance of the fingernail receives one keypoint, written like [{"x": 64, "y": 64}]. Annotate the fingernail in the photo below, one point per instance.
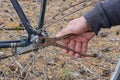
[
  {"x": 77, "y": 55},
  {"x": 71, "y": 53},
  {"x": 64, "y": 51}
]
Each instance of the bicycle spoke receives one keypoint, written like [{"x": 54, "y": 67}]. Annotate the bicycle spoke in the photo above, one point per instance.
[
  {"x": 50, "y": 63},
  {"x": 69, "y": 14}
]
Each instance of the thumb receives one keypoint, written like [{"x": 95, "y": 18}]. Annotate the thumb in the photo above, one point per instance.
[{"x": 65, "y": 31}]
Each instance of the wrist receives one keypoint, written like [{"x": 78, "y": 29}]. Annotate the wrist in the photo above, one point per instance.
[{"x": 87, "y": 26}]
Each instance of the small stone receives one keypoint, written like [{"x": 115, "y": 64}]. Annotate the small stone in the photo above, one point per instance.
[
  {"x": 11, "y": 19},
  {"x": 105, "y": 50},
  {"x": 98, "y": 55},
  {"x": 1, "y": 53},
  {"x": 106, "y": 73},
  {"x": 6, "y": 11},
  {"x": 63, "y": 64},
  {"x": 37, "y": 73},
  {"x": 12, "y": 67},
  {"x": 1, "y": 72},
  {"x": 76, "y": 74},
  {"x": 103, "y": 34},
  {"x": 64, "y": 0},
  {"x": 51, "y": 63},
  {"x": 112, "y": 39},
  {"x": 83, "y": 4},
  {"x": 1, "y": 23},
  {"x": 117, "y": 32},
  {"x": 113, "y": 61},
  {"x": 82, "y": 71},
  {"x": 56, "y": 59},
  {"x": 51, "y": 76}
]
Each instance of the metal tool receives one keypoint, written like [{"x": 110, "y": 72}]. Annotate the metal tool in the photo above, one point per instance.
[
  {"x": 32, "y": 42},
  {"x": 53, "y": 42}
]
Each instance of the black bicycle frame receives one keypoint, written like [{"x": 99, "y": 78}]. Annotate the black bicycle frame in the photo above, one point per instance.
[{"x": 26, "y": 24}]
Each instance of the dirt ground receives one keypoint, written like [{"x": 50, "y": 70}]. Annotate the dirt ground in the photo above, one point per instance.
[{"x": 49, "y": 63}]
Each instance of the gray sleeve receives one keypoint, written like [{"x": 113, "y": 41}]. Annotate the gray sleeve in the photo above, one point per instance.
[{"x": 104, "y": 15}]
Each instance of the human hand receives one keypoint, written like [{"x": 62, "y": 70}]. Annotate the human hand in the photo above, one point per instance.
[{"x": 79, "y": 41}]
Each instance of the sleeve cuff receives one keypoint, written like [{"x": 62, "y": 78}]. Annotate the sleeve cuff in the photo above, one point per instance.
[
  {"x": 92, "y": 20},
  {"x": 97, "y": 18}
]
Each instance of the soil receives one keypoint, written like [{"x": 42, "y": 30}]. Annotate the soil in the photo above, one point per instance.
[{"x": 50, "y": 63}]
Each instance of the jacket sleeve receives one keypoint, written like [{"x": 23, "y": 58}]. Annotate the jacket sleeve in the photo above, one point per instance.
[{"x": 104, "y": 15}]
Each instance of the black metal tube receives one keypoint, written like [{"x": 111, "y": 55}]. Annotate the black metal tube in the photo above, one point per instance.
[
  {"x": 22, "y": 16},
  {"x": 5, "y": 45},
  {"x": 9, "y": 45},
  {"x": 42, "y": 14},
  {"x": 12, "y": 41}
]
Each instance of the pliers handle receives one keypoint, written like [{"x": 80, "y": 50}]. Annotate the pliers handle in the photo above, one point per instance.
[{"x": 53, "y": 42}]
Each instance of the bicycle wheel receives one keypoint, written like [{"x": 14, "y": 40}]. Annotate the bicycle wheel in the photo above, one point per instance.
[{"x": 49, "y": 63}]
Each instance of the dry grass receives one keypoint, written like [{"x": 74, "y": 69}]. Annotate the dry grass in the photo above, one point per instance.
[{"x": 50, "y": 63}]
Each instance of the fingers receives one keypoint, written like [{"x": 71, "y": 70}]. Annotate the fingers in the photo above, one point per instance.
[
  {"x": 84, "y": 47},
  {"x": 79, "y": 46},
  {"x": 77, "y": 55},
  {"x": 71, "y": 45},
  {"x": 77, "y": 43},
  {"x": 68, "y": 43},
  {"x": 74, "y": 45},
  {"x": 65, "y": 31},
  {"x": 65, "y": 43},
  {"x": 78, "y": 49}
]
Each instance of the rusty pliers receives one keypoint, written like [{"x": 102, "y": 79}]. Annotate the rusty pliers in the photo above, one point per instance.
[{"x": 53, "y": 42}]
